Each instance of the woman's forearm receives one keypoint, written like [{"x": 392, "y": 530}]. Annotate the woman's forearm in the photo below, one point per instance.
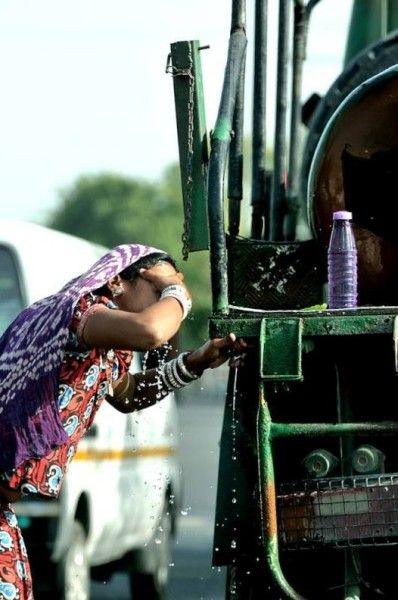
[
  {"x": 164, "y": 319},
  {"x": 144, "y": 330},
  {"x": 138, "y": 391}
]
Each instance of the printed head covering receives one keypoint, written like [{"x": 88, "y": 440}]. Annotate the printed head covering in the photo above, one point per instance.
[{"x": 31, "y": 352}]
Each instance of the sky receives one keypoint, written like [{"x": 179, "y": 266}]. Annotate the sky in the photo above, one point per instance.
[{"x": 84, "y": 87}]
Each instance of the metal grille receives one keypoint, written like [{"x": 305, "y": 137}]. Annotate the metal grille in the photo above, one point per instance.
[
  {"x": 343, "y": 512},
  {"x": 268, "y": 275}
]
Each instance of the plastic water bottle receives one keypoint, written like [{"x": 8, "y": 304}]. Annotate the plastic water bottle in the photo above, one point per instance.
[{"x": 342, "y": 263}]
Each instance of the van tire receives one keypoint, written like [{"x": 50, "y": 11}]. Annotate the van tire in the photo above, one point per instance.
[
  {"x": 73, "y": 571},
  {"x": 150, "y": 582}
]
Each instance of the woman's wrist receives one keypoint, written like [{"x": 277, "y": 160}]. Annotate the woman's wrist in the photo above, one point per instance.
[
  {"x": 179, "y": 293},
  {"x": 192, "y": 364}
]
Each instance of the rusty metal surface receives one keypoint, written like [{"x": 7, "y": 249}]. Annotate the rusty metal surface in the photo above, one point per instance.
[
  {"x": 353, "y": 169},
  {"x": 342, "y": 512}
]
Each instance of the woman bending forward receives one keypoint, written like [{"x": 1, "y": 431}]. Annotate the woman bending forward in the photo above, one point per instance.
[{"x": 64, "y": 355}]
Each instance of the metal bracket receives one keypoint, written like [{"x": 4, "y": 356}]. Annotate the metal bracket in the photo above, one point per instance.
[{"x": 281, "y": 349}]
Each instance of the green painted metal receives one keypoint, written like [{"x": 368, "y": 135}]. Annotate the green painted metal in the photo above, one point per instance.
[
  {"x": 279, "y": 334},
  {"x": 315, "y": 430},
  {"x": 217, "y": 165},
  {"x": 371, "y": 20},
  {"x": 364, "y": 321},
  {"x": 267, "y": 431},
  {"x": 194, "y": 175},
  {"x": 222, "y": 130},
  {"x": 268, "y": 499},
  {"x": 281, "y": 349}
]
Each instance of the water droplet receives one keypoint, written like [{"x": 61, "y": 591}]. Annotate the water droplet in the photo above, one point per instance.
[
  {"x": 233, "y": 544},
  {"x": 233, "y": 500},
  {"x": 158, "y": 541},
  {"x": 171, "y": 564}
]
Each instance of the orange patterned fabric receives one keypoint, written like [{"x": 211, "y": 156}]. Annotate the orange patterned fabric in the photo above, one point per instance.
[
  {"x": 15, "y": 577},
  {"x": 85, "y": 377}
]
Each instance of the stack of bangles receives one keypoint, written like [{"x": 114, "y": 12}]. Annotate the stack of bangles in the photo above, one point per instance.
[
  {"x": 175, "y": 375},
  {"x": 170, "y": 376}
]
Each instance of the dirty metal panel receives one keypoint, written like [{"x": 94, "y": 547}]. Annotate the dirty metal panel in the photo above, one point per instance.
[
  {"x": 315, "y": 323},
  {"x": 348, "y": 325},
  {"x": 195, "y": 193},
  {"x": 272, "y": 276},
  {"x": 220, "y": 327},
  {"x": 281, "y": 349}
]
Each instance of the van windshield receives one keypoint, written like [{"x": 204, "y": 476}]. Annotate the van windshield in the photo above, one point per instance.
[{"x": 11, "y": 302}]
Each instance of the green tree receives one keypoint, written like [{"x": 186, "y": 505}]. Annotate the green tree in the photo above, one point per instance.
[{"x": 112, "y": 209}]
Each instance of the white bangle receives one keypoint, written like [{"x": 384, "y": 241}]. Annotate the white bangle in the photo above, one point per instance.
[
  {"x": 179, "y": 293},
  {"x": 184, "y": 369},
  {"x": 168, "y": 369},
  {"x": 176, "y": 374}
]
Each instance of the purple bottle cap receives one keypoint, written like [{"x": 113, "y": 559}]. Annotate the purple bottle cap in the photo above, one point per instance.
[{"x": 342, "y": 215}]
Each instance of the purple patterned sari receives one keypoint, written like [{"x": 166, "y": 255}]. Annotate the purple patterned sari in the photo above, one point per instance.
[{"x": 31, "y": 352}]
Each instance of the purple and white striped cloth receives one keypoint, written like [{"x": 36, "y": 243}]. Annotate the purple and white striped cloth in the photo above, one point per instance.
[{"x": 31, "y": 352}]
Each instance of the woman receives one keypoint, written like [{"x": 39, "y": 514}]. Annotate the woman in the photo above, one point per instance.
[{"x": 64, "y": 355}]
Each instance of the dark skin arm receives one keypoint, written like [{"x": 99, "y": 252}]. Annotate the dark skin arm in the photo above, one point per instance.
[
  {"x": 145, "y": 391},
  {"x": 147, "y": 329}
]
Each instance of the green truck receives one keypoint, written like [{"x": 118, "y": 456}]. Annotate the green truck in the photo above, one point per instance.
[{"x": 307, "y": 504}]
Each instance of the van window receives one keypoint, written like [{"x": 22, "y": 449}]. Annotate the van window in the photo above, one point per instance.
[{"x": 11, "y": 302}]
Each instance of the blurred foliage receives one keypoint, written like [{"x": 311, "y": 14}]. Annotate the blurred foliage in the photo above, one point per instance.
[{"x": 112, "y": 209}]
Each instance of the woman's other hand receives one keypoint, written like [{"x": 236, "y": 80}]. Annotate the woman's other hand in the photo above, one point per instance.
[{"x": 215, "y": 352}]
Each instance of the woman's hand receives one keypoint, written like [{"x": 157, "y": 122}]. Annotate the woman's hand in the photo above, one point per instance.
[
  {"x": 215, "y": 352},
  {"x": 163, "y": 275}
]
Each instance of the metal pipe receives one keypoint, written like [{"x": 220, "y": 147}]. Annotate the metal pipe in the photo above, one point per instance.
[
  {"x": 218, "y": 158},
  {"x": 269, "y": 524},
  {"x": 259, "y": 120},
  {"x": 235, "y": 171},
  {"x": 299, "y": 51},
  {"x": 280, "y": 146},
  {"x": 314, "y": 430},
  {"x": 238, "y": 18}
]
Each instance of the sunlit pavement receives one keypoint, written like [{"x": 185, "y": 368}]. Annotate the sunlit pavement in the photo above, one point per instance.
[{"x": 192, "y": 576}]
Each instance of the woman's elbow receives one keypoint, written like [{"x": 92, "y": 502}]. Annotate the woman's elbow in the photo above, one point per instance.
[{"x": 153, "y": 337}]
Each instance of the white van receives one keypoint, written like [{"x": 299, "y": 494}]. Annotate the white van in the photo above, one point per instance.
[{"x": 118, "y": 506}]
